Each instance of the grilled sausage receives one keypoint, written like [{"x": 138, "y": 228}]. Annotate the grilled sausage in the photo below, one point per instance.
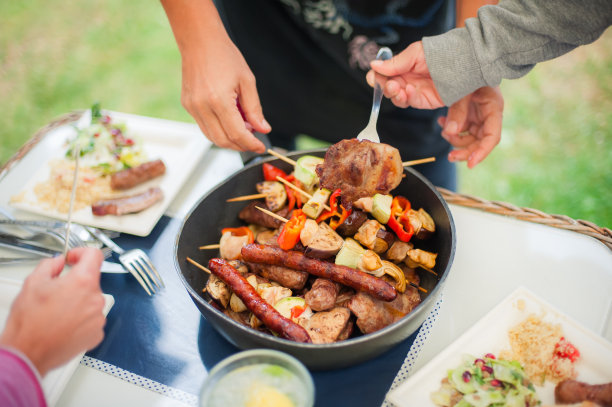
[
  {"x": 322, "y": 296},
  {"x": 356, "y": 279},
  {"x": 573, "y": 391},
  {"x": 127, "y": 204},
  {"x": 131, "y": 177},
  {"x": 250, "y": 214},
  {"x": 253, "y": 301},
  {"x": 293, "y": 279}
]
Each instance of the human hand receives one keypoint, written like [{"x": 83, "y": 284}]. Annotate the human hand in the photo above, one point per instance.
[
  {"x": 55, "y": 317},
  {"x": 215, "y": 78},
  {"x": 473, "y": 124},
  {"x": 405, "y": 79}
]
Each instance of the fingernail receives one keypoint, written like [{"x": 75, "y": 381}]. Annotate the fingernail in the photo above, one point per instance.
[
  {"x": 376, "y": 62},
  {"x": 370, "y": 78},
  {"x": 451, "y": 127},
  {"x": 266, "y": 125},
  {"x": 471, "y": 162}
]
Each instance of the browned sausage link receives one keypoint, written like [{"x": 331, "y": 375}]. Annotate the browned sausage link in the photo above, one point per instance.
[
  {"x": 573, "y": 391},
  {"x": 356, "y": 279},
  {"x": 292, "y": 279},
  {"x": 127, "y": 204},
  {"x": 257, "y": 305},
  {"x": 131, "y": 177}
]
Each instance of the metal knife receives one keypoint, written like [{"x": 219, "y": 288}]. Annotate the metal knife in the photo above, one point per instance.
[
  {"x": 23, "y": 245},
  {"x": 39, "y": 224}
]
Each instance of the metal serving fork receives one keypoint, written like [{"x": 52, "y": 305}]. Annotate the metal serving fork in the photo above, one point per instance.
[
  {"x": 370, "y": 133},
  {"x": 135, "y": 261}
]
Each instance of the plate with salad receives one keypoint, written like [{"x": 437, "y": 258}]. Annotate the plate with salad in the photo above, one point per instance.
[
  {"x": 514, "y": 356},
  {"x": 129, "y": 170}
]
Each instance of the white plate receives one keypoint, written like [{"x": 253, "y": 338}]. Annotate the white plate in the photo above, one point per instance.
[
  {"x": 490, "y": 334},
  {"x": 179, "y": 145},
  {"x": 55, "y": 380}
]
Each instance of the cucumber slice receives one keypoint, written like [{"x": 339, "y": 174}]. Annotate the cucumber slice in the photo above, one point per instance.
[
  {"x": 350, "y": 253},
  {"x": 305, "y": 170},
  {"x": 315, "y": 205},
  {"x": 381, "y": 207},
  {"x": 285, "y": 305}
]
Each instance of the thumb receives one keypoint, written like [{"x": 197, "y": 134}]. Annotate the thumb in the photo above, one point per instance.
[
  {"x": 410, "y": 60},
  {"x": 50, "y": 268},
  {"x": 251, "y": 107},
  {"x": 457, "y": 117},
  {"x": 87, "y": 260}
]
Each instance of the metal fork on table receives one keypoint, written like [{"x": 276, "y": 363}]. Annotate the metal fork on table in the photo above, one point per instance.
[{"x": 135, "y": 261}]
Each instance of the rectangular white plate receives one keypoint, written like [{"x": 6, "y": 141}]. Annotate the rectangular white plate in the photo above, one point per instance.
[
  {"x": 490, "y": 334},
  {"x": 55, "y": 380},
  {"x": 179, "y": 145}
]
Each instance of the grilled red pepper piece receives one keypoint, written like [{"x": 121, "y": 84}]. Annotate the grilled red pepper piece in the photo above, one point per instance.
[
  {"x": 338, "y": 213},
  {"x": 297, "y": 311},
  {"x": 240, "y": 231},
  {"x": 398, "y": 221},
  {"x": 290, "y": 233},
  {"x": 270, "y": 172}
]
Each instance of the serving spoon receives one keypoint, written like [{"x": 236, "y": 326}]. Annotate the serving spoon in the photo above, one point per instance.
[{"x": 370, "y": 133}]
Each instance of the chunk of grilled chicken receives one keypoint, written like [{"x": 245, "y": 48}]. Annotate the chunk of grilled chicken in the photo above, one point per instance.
[{"x": 360, "y": 169}]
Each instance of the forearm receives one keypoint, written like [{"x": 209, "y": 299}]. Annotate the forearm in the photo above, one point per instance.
[
  {"x": 19, "y": 380},
  {"x": 193, "y": 22},
  {"x": 506, "y": 41}
]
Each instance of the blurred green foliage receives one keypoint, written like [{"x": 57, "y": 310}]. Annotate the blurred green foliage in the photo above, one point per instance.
[{"x": 55, "y": 57}]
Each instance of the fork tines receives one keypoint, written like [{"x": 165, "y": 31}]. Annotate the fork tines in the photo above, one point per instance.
[{"x": 138, "y": 263}]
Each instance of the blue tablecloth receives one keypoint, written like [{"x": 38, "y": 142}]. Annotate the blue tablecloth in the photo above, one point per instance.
[{"x": 166, "y": 339}]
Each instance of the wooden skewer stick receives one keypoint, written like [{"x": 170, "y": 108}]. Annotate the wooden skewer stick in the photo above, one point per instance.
[
  {"x": 198, "y": 265},
  {"x": 267, "y": 212},
  {"x": 295, "y": 188},
  {"x": 430, "y": 270},
  {"x": 210, "y": 246},
  {"x": 282, "y": 157},
  {"x": 418, "y": 287},
  {"x": 421, "y": 161},
  {"x": 246, "y": 197}
]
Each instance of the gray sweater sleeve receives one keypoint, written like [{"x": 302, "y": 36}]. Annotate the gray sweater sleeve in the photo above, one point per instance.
[{"x": 506, "y": 41}]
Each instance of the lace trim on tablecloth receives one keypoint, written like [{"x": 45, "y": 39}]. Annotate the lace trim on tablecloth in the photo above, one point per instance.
[
  {"x": 141, "y": 381},
  {"x": 408, "y": 365}
]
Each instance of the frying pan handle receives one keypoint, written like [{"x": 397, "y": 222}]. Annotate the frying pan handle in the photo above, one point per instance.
[{"x": 249, "y": 157}]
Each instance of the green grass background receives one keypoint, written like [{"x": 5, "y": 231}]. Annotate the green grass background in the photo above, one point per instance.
[{"x": 58, "y": 56}]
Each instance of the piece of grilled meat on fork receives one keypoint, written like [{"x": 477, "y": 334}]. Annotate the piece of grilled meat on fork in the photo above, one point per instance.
[{"x": 360, "y": 169}]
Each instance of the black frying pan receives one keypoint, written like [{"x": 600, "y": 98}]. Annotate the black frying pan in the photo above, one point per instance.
[{"x": 212, "y": 213}]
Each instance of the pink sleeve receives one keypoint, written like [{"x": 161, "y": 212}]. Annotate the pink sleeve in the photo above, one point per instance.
[{"x": 19, "y": 381}]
